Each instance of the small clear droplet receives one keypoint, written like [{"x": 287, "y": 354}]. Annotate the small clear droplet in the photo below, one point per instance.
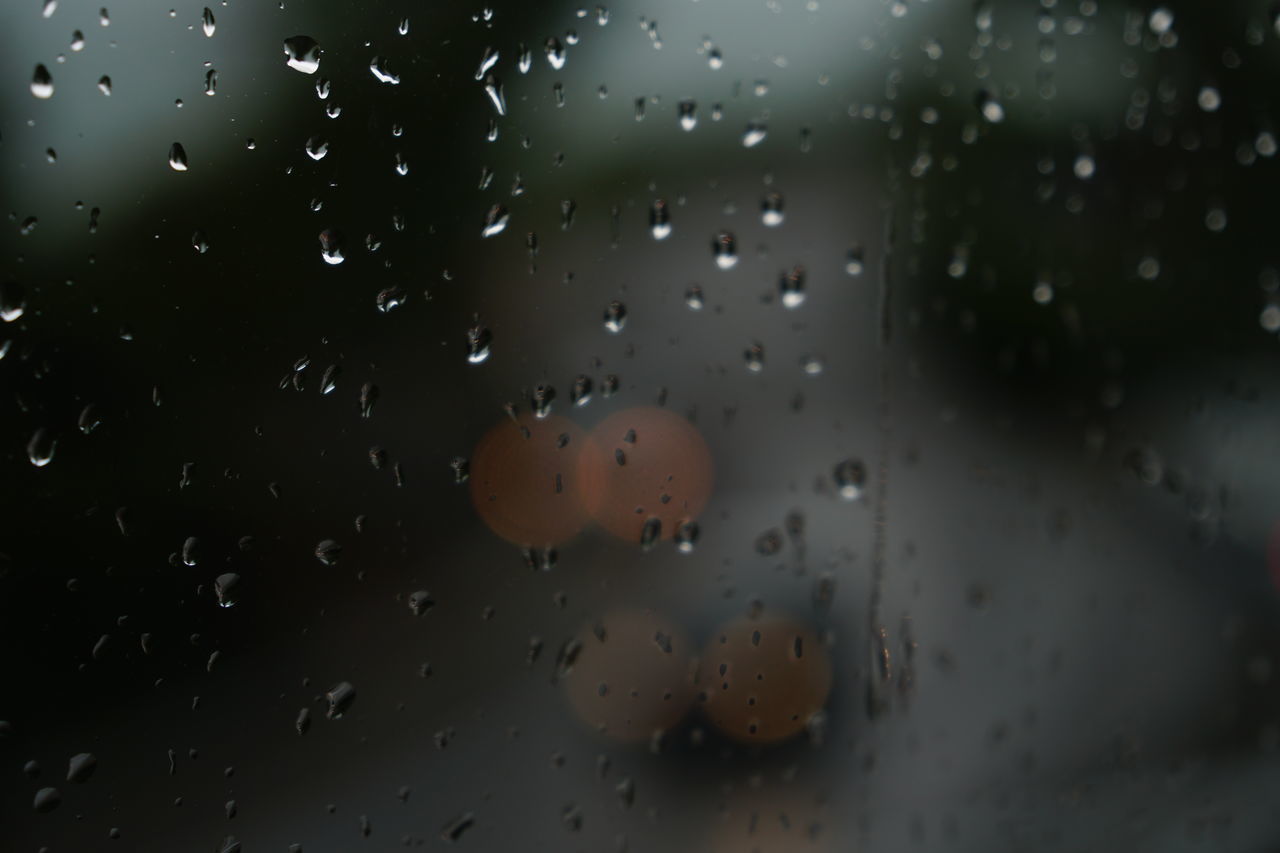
[
  {"x": 42, "y": 85},
  {"x": 660, "y": 219},
  {"x": 328, "y": 551},
  {"x": 791, "y": 287},
  {"x": 754, "y": 134},
  {"x": 493, "y": 88},
  {"x": 754, "y": 357},
  {"x": 850, "y": 477},
  {"x": 688, "y": 114},
  {"x": 479, "y": 340},
  {"x": 331, "y": 247},
  {"x": 725, "y": 250},
  {"x": 686, "y": 536},
  {"x": 317, "y": 147},
  {"x": 555, "y": 53},
  {"x": 495, "y": 221},
  {"x": 380, "y": 67},
  {"x": 40, "y": 448},
  {"x": 771, "y": 213},
  {"x": 615, "y": 317},
  {"x": 177, "y": 157},
  {"x": 302, "y": 53},
  {"x": 207, "y": 23}
]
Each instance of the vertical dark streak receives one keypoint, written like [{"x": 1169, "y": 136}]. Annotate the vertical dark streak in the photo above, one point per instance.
[{"x": 881, "y": 672}]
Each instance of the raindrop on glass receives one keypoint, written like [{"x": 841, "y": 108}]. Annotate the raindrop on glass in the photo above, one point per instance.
[
  {"x": 615, "y": 317},
  {"x": 302, "y": 53},
  {"x": 660, "y": 219},
  {"x": 495, "y": 221},
  {"x": 40, "y": 448},
  {"x": 850, "y": 478},
  {"x": 42, "y": 87},
  {"x": 177, "y": 157},
  {"x": 724, "y": 249}
]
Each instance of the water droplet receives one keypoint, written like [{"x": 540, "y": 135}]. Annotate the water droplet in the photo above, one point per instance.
[
  {"x": 688, "y": 113},
  {"x": 615, "y": 317},
  {"x": 1083, "y": 167},
  {"x": 771, "y": 214},
  {"x": 524, "y": 59},
  {"x": 420, "y": 602},
  {"x": 493, "y": 88},
  {"x": 686, "y": 536},
  {"x": 1209, "y": 99},
  {"x": 580, "y": 393},
  {"x": 303, "y": 721},
  {"x": 853, "y": 261},
  {"x": 487, "y": 60},
  {"x": 81, "y": 767},
  {"x": 791, "y": 287},
  {"x": 660, "y": 219},
  {"x": 13, "y": 301},
  {"x": 190, "y": 548},
  {"x": 725, "y": 250},
  {"x": 328, "y": 551},
  {"x": 479, "y": 340},
  {"x": 42, "y": 87},
  {"x": 540, "y": 400},
  {"x": 390, "y": 298},
  {"x": 754, "y": 357},
  {"x": 1160, "y": 20},
  {"x": 495, "y": 221},
  {"x": 715, "y": 59},
  {"x": 650, "y": 533},
  {"x": 207, "y": 23},
  {"x": 340, "y": 697},
  {"x": 991, "y": 109},
  {"x": 754, "y": 134},
  {"x": 302, "y": 53},
  {"x": 1270, "y": 318},
  {"x": 317, "y": 147},
  {"x": 1149, "y": 268},
  {"x": 555, "y": 53},
  {"x": 331, "y": 247},
  {"x": 177, "y": 157},
  {"x": 224, "y": 586},
  {"x": 850, "y": 477},
  {"x": 40, "y": 448},
  {"x": 454, "y": 829},
  {"x": 368, "y": 397},
  {"x": 50, "y": 6},
  {"x": 77, "y": 41},
  {"x": 769, "y": 543},
  {"x": 89, "y": 419},
  {"x": 46, "y": 800},
  {"x": 693, "y": 298},
  {"x": 380, "y": 67}
]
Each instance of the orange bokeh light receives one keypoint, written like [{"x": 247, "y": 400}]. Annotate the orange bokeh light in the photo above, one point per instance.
[
  {"x": 525, "y": 480},
  {"x": 644, "y": 463},
  {"x": 761, "y": 681}
]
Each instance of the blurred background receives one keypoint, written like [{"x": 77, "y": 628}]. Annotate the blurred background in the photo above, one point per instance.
[{"x": 728, "y": 426}]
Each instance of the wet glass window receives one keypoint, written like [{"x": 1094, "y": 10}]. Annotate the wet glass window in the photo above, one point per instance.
[{"x": 776, "y": 425}]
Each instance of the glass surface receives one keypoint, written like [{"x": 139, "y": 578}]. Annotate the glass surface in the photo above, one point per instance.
[{"x": 717, "y": 425}]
